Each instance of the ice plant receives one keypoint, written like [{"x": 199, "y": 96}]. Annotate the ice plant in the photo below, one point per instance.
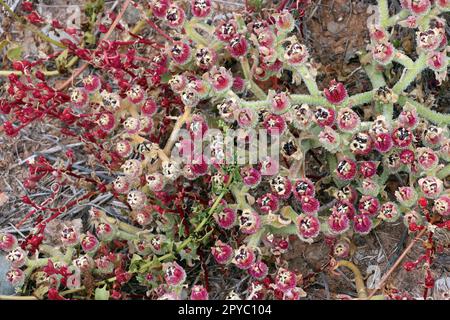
[{"x": 166, "y": 129}]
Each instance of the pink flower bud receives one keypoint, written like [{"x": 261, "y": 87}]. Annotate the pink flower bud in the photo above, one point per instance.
[
  {"x": 238, "y": 46},
  {"x": 268, "y": 166},
  {"x": 238, "y": 84},
  {"x": 91, "y": 83},
  {"x": 180, "y": 53},
  {"x": 368, "y": 206},
  {"x": 157, "y": 243},
  {"x": 79, "y": 98},
  {"x": 302, "y": 116},
  {"x": 310, "y": 205},
  {"x": 226, "y": 218},
  {"x": 205, "y": 58},
  {"x": 303, "y": 187},
  {"x": 106, "y": 121},
  {"x": 132, "y": 168},
  {"x": 159, "y": 8},
  {"x": 201, "y": 8},
  {"x": 70, "y": 236},
  {"x": 443, "y": 4},
  {"x": 136, "y": 199},
  {"x": 221, "y": 79},
  {"x": 437, "y": 61},
  {"x": 419, "y": 7},
  {"x": 346, "y": 169},
  {"x": 250, "y": 176},
  {"x": 308, "y": 227},
  {"x": 199, "y": 292},
  {"x": 132, "y": 125},
  {"x": 105, "y": 231},
  {"x": 368, "y": 168},
  {"x": 369, "y": 187},
  {"x": 348, "y": 120},
  {"x": 284, "y": 21},
  {"x": 361, "y": 144},
  {"x": 226, "y": 30},
  {"x": 362, "y": 224},
  {"x": 267, "y": 203},
  {"x": 402, "y": 137},
  {"x": 174, "y": 274},
  {"x": 121, "y": 185},
  {"x": 429, "y": 40},
  {"x": 407, "y": 196},
  {"x": 175, "y": 16},
  {"x": 178, "y": 83},
  {"x": 324, "y": 117},
  {"x": 378, "y": 34},
  {"x": 389, "y": 212},
  {"x": 329, "y": 139},
  {"x": 149, "y": 108},
  {"x": 7, "y": 242},
  {"x": 285, "y": 280},
  {"x": 266, "y": 37},
  {"x": 382, "y": 142},
  {"x": 432, "y": 136},
  {"x": 16, "y": 277},
  {"x": 427, "y": 158},
  {"x": 227, "y": 109},
  {"x": 246, "y": 117},
  {"x": 442, "y": 206},
  {"x": 344, "y": 207},
  {"x": 296, "y": 54},
  {"x": 338, "y": 222},
  {"x": 258, "y": 270},
  {"x": 336, "y": 92},
  {"x": 407, "y": 157},
  {"x": 431, "y": 187},
  {"x": 83, "y": 262},
  {"x": 274, "y": 124},
  {"x": 249, "y": 222},
  {"x": 89, "y": 243},
  {"x": 17, "y": 257},
  {"x": 244, "y": 257},
  {"x": 135, "y": 94},
  {"x": 104, "y": 264},
  {"x": 124, "y": 148},
  {"x": 408, "y": 117},
  {"x": 281, "y": 187},
  {"x": 346, "y": 193},
  {"x": 383, "y": 53},
  {"x": 279, "y": 102},
  {"x": 222, "y": 252}
]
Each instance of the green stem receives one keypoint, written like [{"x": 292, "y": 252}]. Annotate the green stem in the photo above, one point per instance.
[
  {"x": 376, "y": 77},
  {"x": 359, "y": 99},
  {"x": 193, "y": 34},
  {"x": 410, "y": 74},
  {"x": 257, "y": 91},
  {"x": 433, "y": 116},
  {"x": 398, "y": 17},
  {"x": 309, "y": 80},
  {"x": 444, "y": 172},
  {"x": 388, "y": 111},
  {"x": 311, "y": 100},
  {"x": 404, "y": 60},
  {"x": 383, "y": 8}
]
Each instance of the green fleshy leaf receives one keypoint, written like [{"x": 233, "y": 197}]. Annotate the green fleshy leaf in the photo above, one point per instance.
[
  {"x": 14, "y": 53},
  {"x": 102, "y": 293}
]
